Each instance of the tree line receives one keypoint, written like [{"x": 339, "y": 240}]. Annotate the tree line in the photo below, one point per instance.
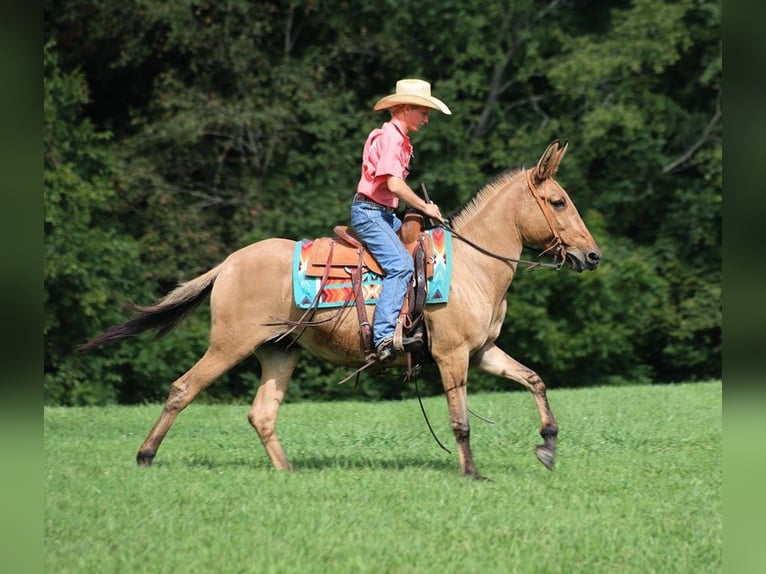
[{"x": 175, "y": 133}]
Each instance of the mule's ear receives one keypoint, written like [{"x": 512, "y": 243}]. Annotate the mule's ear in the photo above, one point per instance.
[
  {"x": 549, "y": 162},
  {"x": 560, "y": 155}
]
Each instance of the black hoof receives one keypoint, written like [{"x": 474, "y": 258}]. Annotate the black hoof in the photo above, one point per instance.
[
  {"x": 144, "y": 458},
  {"x": 545, "y": 455}
]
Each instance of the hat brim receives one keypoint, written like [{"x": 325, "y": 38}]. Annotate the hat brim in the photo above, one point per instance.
[{"x": 398, "y": 99}]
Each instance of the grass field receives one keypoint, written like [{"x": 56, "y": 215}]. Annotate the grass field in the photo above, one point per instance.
[{"x": 637, "y": 488}]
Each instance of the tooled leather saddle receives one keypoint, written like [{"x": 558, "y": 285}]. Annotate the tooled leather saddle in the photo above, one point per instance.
[{"x": 344, "y": 256}]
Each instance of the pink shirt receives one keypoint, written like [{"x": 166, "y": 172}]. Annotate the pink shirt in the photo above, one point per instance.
[{"x": 387, "y": 152}]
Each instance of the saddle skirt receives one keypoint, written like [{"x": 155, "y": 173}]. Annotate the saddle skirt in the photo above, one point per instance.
[{"x": 331, "y": 259}]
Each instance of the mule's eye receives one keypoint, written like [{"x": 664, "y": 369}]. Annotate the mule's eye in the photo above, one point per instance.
[{"x": 558, "y": 203}]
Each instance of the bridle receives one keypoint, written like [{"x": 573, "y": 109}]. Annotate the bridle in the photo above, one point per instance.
[{"x": 557, "y": 245}]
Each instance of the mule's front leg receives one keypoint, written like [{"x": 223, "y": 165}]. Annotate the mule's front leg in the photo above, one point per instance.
[
  {"x": 494, "y": 361},
  {"x": 454, "y": 380},
  {"x": 456, "y": 399}
]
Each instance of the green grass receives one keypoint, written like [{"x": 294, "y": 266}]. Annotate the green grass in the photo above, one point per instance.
[{"x": 637, "y": 488}]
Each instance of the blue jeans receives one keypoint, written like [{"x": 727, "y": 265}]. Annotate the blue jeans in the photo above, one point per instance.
[{"x": 377, "y": 230}]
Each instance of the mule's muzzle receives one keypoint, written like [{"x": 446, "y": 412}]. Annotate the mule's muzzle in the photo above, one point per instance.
[{"x": 580, "y": 261}]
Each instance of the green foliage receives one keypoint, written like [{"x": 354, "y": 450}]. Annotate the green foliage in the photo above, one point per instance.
[
  {"x": 87, "y": 263},
  {"x": 590, "y": 329},
  {"x": 178, "y": 132}
]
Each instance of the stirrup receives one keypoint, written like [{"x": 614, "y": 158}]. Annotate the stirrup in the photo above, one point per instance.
[
  {"x": 385, "y": 350},
  {"x": 411, "y": 344}
]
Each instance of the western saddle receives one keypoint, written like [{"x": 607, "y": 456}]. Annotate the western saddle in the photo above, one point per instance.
[{"x": 344, "y": 257}]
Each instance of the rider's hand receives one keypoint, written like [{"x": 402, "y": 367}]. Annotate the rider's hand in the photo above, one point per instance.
[{"x": 432, "y": 211}]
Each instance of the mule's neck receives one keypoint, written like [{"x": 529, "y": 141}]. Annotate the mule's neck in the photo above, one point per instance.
[{"x": 491, "y": 222}]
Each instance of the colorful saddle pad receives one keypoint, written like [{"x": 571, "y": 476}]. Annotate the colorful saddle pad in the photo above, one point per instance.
[{"x": 338, "y": 291}]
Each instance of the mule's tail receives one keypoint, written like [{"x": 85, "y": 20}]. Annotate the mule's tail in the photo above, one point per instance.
[{"x": 162, "y": 316}]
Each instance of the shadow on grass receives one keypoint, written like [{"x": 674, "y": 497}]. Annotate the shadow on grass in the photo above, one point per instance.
[
  {"x": 314, "y": 463},
  {"x": 398, "y": 463}
]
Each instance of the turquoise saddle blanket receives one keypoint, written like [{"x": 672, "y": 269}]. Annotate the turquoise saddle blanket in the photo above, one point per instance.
[{"x": 338, "y": 291}]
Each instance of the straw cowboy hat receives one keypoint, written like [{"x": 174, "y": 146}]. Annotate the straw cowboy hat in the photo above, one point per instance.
[{"x": 415, "y": 92}]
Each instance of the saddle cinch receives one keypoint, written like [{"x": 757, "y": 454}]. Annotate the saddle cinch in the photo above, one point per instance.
[{"x": 344, "y": 257}]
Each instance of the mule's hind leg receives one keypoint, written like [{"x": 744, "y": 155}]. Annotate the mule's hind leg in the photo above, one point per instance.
[
  {"x": 494, "y": 361},
  {"x": 277, "y": 366},
  {"x": 183, "y": 391}
]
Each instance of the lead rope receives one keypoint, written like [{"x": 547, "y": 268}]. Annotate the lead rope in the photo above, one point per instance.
[{"x": 428, "y": 422}]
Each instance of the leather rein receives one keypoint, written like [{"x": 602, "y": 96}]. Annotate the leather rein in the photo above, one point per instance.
[{"x": 557, "y": 245}]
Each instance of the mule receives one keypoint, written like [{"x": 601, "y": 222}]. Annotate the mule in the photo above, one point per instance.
[{"x": 253, "y": 286}]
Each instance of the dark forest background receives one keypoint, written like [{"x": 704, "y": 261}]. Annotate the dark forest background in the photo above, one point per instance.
[{"x": 177, "y": 132}]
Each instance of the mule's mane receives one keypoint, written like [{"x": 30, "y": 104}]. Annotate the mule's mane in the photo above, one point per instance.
[{"x": 481, "y": 197}]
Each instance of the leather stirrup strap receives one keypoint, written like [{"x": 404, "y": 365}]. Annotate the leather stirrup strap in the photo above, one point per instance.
[
  {"x": 365, "y": 329},
  {"x": 421, "y": 283},
  {"x": 415, "y": 299},
  {"x": 399, "y": 332}
]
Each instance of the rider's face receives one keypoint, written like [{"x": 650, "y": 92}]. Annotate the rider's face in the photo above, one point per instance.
[{"x": 415, "y": 117}]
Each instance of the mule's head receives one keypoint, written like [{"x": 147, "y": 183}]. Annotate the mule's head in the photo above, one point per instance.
[{"x": 551, "y": 219}]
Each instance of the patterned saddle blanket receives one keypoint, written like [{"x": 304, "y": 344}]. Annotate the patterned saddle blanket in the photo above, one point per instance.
[{"x": 309, "y": 267}]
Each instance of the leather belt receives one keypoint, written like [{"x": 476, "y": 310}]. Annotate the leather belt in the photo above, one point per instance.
[{"x": 359, "y": 198}]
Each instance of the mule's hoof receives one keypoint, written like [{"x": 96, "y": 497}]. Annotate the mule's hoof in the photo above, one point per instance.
[
  {"x": 545, "y": 455},
  {"x": 474, "y": 474},
  {"x": 144, "y": 458}
]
